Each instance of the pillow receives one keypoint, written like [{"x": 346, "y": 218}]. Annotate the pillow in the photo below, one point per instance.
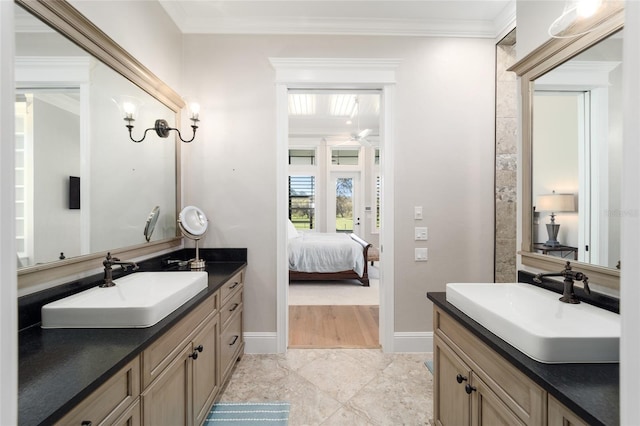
[{"x": 291, "y": 230}]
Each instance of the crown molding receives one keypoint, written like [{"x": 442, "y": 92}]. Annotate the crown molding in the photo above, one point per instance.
[{"x": 340, "y": 26}]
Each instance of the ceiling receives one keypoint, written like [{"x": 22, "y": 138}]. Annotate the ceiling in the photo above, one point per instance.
[{"x": 450, "y": 18}]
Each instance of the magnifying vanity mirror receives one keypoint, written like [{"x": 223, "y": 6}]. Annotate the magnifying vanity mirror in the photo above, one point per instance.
[
  {"x": 193, "y": 224},
  {"x": 150, "y": 225},
  {"x": 572, "y": 152},
  {"x": 69, "y": 76}
]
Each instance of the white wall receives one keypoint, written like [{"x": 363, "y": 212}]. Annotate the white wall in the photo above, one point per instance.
[
  {"x": 630, "y": 291},
  {"x": 56, "y": 136},
  {"x": 444, "y": 147},
  {"x": 534, "y": 18},
  {"x": 8, "y": 278},
  {"x": 555, "y": 159}
]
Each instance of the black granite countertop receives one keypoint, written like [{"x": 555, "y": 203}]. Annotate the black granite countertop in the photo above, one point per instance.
[
  {"x": 58, "y": 368},
  {"x": 589, "y": 390}
]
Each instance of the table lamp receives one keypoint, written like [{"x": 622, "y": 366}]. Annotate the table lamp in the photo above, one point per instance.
[{"x": 555, "y": 203}]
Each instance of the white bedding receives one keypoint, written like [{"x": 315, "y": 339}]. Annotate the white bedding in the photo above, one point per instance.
[{"x": 318, "y": 252}]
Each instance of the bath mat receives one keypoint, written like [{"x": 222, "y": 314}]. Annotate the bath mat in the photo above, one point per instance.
[
  {"x": 429, "y": 364},
  {"x": 248, "y": 413}
]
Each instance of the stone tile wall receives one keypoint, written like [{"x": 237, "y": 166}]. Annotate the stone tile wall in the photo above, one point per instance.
[{"x": 506, "y": 161}]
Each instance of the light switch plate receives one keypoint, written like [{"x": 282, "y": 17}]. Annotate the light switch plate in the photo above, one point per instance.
[
  {"x": 421, "y": 255},
  {"x": 417, "y": 212},
  {"x": 421, "y": 233}
]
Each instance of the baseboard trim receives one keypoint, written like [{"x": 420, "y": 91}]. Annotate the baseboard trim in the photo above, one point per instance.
[
  {"x": 261, "y": 343},
  {"x": 413, "y": 341}
]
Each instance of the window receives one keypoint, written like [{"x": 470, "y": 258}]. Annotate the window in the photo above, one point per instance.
[
  {"x": 304, "y": 157},
  {"x": 302, "y": 201},
  {"x": 345, "y": 156},
  {"x": 23, "y": 175}
]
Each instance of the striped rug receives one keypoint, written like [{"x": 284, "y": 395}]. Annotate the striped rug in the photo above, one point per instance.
[{"x": 249, "y": 413}]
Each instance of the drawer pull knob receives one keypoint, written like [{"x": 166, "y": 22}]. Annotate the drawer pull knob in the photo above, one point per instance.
[
  {"x": 468, "y": 388},
  {"x": 86, "y": 423},
  {"x": 199, "y": 348},
  {"x": 194, "y": 355},
  {"x": 234, "y": 307},
  {"x": 235, "y": 284},
  {"x": 460, "y": 378},
  {"x": 235, "y": 339}
]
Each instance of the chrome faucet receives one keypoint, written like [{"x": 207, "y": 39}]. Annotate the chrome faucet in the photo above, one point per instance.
[
  {"x": 568, "y": 296},
  {"x": 108, "y": 271}
]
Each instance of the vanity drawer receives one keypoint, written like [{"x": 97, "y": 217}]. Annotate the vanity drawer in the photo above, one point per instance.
[
  {"x": 233, "y": 305},
  {"x": 160, "y": 354},
  {"x": 231, "y": 341},
  {"x": 516, "y": 390},
  {"x": 110, "y": 401},
  {"x": 231, "y": 286}
]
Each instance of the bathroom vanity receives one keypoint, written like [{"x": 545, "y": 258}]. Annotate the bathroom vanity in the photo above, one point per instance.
[
  {"x": 169, "y": 373},
  {"x": 481, "y": 379}
]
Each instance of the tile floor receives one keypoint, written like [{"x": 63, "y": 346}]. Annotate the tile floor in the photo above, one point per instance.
[{"x": 338, "y": 386}]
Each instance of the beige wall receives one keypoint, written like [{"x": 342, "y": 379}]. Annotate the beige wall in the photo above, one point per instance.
[{"x": 444, "y": 157}]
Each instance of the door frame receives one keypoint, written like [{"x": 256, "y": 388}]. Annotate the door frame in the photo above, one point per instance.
[{"x": 336, "y": 73}]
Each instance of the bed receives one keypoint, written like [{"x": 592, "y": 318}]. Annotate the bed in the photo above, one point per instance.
[{"x": 327, "y": 256}]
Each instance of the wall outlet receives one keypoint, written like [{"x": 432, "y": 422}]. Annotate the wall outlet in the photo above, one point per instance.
[
  {"x": 421, "y": 255},
  {"x": 417, "y": 212},
  {"x": 421, "y": 233}
]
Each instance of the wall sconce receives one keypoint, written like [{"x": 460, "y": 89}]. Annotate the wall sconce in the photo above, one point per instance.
[
  {"x": 555, "y": 203},
  {"x": 161, "y": 126},
  {"x": 578, "y": 17}
]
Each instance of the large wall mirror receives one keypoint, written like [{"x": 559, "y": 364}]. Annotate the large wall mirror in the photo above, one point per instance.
[
  {"x": 572, "y": 152},
  {"x": 82, "y": 186}
]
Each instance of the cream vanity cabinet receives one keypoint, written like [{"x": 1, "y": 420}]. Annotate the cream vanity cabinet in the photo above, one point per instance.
[
  {"x": 231, "y": 339},
  {"x": 175, "y": 380},
  {"x": 183, "y": 371},
  {"x": 115, "y": 402},
  {"x": 559, "y": 415},
  {"x": 474, "y": 386},
  {"x": 180, "y": 370}
]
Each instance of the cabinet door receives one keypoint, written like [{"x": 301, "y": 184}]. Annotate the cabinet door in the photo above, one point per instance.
[
  {"x": 205, "y": 369},
  {"x": 486, "y": 407},
  {"x": 451, "y": 402},
  {"x": 559, "y": 415},
  {"x": 168, "y": 400}
]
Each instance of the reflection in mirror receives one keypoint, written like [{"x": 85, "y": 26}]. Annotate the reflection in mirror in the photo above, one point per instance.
[
  {"x": 67, "y": 125},
  {"x": 577, "y": 150},
  {"x": 150, "y": 225}
]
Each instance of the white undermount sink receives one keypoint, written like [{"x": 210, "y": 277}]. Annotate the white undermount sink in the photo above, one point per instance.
[
  {"x": 137, "y": 300},
  {"x": 535, "y": 322}
]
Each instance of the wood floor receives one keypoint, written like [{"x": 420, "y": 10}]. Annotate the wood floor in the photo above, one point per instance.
[{"x": 336, "y": 326}]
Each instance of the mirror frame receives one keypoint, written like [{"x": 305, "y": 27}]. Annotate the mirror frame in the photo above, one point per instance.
[
  {"x": 542, "y": 60},
  {"x": 69, "y": 22}
]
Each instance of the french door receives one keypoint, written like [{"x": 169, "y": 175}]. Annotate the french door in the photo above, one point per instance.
[{"x": 344, "y": 201}]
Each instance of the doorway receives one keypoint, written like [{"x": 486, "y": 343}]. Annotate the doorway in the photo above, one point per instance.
[
  {"x": 354, "y": 73},
  {"x": 333, "y": 170}
]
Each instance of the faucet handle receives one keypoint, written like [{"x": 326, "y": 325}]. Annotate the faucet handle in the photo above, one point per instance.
[{"x": 585, "y": 281}]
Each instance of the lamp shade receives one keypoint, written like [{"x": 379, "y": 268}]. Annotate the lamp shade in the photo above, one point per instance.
[{"x": 556, "y": 203}]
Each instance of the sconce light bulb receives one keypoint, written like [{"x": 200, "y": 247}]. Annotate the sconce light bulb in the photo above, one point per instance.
[
  {"x": 129, "y": 109},
  {"x": 587, "y": 8},
  {"x": 195, "y": 110},
  {"x": 349, "y": 122}
]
